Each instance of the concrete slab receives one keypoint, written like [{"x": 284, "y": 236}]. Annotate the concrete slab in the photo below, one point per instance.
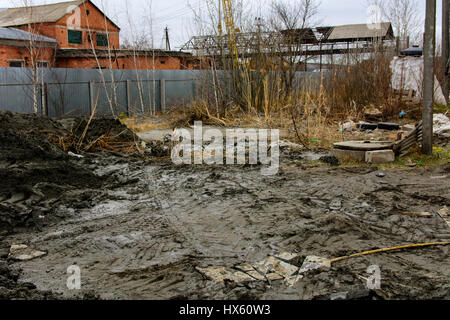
[
  {"x": 349, "y": 155},
  {"x": 363, "y": 145},
  {"x": 380, "y": 156}
]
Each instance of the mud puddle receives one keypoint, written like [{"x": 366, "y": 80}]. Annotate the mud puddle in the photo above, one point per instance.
[
  {"x": 148, "y": 242},
  {"x": 142, "y": 229}
]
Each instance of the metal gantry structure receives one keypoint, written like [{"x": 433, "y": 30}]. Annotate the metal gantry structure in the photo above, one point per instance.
[{"x": 306, "y": 42}]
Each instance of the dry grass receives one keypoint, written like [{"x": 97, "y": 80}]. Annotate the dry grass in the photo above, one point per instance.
[{"x": 308, "y": 113}]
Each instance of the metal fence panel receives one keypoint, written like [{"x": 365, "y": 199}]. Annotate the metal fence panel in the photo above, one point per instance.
[{"x": 69, "y": 92}]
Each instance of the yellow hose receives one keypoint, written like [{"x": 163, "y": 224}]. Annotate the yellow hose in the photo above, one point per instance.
[{"x": 390, "y": 249}]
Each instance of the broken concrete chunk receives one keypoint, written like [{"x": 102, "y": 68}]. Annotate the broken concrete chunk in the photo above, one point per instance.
[
  {"x": 315, "y": 263},
  {"x": 287, "y": 256},
  {"x": 349, "y": 155},
  {"x": 274, "y": 277},
  {"x": 273, "y": 265},
  {"x": 444, "y": 214},
  {"x": 248, "y": 269},
  {"x": 22, "y": 252}
]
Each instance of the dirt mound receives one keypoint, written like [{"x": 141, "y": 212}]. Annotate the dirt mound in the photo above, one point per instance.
[
  {"x": 102, "y": 134},
  {"x": 35, "y": 173}
]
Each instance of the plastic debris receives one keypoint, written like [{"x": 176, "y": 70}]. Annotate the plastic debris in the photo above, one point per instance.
[
  {"x": 71, "y": 154},
  {"x": 441, "y": 125},
  {"x": 407, "y": 74}
]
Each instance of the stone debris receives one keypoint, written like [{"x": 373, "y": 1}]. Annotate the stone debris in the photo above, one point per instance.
[
  {"x": 287, "y": 256},
  {"x": 445, "y": 214},
  {"x": 273, "y": 268},
  {"x": 22, "y": 252},
  {"x": 315, "y": 263}
]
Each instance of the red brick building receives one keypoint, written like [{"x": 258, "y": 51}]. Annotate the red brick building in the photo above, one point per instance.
[{"x": 76, "y": 34}]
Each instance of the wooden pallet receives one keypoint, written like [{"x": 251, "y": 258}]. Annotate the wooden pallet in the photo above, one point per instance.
[{"x": 401, "y": 147}]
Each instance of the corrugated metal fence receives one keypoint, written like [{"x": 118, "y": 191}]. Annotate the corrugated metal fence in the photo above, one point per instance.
[{"x": 75, "y": 92}]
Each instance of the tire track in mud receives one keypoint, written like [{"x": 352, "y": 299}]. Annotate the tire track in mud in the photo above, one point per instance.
[{"x": 174, "y": 219}]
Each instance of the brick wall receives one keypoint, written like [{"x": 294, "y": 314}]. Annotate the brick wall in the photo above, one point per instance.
[
  {"x": 89, "y": 24},
  {"x": 144, "y": 63},
  {"x": 8, "y": 53}
]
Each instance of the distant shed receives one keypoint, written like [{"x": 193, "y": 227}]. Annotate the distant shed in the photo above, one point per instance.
[{"x": 361, "y": 32}]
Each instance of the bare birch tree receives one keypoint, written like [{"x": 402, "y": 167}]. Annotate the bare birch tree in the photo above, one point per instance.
[{"x": 404, "y": 15}]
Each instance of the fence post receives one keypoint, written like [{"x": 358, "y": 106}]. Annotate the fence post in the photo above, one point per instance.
[
  {"x": 445, "y": 47},
  {"x": 129, "y": 97},
  {"x": 428, "y": 76},
  {"x": 162, "y": 88},
  {"x": 44, "y": 99},
  {"x": 92, "y": 97}
]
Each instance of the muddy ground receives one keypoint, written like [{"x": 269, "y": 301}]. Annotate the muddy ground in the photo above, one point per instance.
[{"x": 139, "y": 229}]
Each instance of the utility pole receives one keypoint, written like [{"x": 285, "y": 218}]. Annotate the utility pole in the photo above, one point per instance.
[
  {"x": 167, "y": 39},
  {"x": 445, "y": 47},
  {"x": 428, "y": 76}
]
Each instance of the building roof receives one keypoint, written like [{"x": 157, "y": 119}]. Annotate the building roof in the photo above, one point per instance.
[
  {"x": 362, "y": 31},
  {"x": 40, "y": 14},
  {"x": 16, "y": 34},
  {"x": 119, "y": 53}
]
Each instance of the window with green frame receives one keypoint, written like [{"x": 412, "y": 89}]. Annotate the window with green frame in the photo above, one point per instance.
[
  {"x": 75, "y": 37},
  {"x": 102, "y": 40}
]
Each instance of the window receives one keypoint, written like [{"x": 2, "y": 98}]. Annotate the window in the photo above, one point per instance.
[
  {"x": 87, "y": 12},
  {"x": 74, "y": 37},
  {"x": 16, "y": 64},
  {"x": 102, "y": 40},
  {"x": 43, "y": 64},
  {"x": 163, "y": 61}
]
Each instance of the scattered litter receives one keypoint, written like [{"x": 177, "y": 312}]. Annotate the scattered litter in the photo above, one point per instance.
[
  {"x": 22, "y": 252},
  {"x": 381, "y": 175},
  {"x": 444, "y": 214},
  {"x": 348, "y": 126},
  {"x": 71, "y": 154}
]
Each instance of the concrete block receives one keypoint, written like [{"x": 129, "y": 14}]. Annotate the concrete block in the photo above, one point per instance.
[
  {"x": 380, "y": 157},
  {"x": 349, "y": 155}
]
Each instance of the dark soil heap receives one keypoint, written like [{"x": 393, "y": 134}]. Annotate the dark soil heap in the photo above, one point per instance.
[
  {"x": 37, "y": 176},
  {"x": 34, "y": 172}
]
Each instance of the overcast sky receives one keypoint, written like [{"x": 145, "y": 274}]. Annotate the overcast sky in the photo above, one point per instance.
[{"x": 177, "y": 14}]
